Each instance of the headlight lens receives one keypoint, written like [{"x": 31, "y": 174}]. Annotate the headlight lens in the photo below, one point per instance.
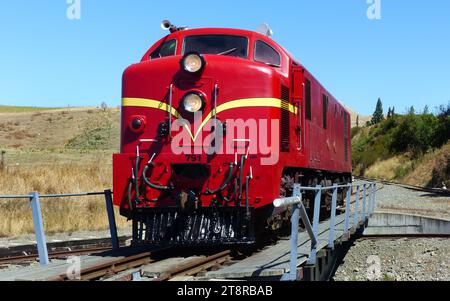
[
  {"x": 193, "y": 102},
  {"x": 193, "y": 62}
]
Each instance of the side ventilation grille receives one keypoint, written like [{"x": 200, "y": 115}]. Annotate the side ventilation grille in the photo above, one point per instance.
[
  {"x": 285, "y": 121},
  {"x": 346, "y": 138}
]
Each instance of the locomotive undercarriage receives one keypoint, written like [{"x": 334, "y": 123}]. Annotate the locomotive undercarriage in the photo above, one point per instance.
[{"x": 280, "y": 223}]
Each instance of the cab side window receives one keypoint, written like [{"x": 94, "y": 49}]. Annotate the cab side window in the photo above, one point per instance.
[
  {"x": 325, "y": 103},
  {"x": 308, "y": 99},
  {"x": 264, "y": 53},
  {"x": 166, "y": 49}
]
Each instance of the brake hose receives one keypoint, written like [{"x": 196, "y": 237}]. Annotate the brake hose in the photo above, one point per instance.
[
  {"x": 225, "y": 182},
  {"x": 241, "y": 174},
  {"x": 136, "y": 178},
  {"x": 151, "y": 185}
]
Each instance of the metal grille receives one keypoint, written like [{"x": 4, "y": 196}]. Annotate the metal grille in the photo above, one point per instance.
[
  {"x": 346, "y": 123},
  {"x": 285, "y": 121}
]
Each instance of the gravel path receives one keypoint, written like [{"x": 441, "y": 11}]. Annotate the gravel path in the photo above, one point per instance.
[
  {"x": 398, "y": 199},
  {"x": 400, "y": 260}
]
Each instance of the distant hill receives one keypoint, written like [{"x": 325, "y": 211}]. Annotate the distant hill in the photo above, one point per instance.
[
  {"x": 354, "y": 116},
  {"x": 57, "y": 130}
]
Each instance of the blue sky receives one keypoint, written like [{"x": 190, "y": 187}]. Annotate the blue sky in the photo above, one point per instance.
[{"x": 404, "y": 58}]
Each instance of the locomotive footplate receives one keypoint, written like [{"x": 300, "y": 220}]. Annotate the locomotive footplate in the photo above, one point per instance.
[{"x": 202, "y": 227}]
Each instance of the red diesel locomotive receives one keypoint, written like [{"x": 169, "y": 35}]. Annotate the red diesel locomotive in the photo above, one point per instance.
[{"x": 267, "y": 120}]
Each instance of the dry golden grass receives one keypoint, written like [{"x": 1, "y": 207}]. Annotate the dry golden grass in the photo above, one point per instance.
[
  {"x": 384, "y": 170},
  {"x": 432, "y": 169},
  {"x": 60, "y": 215}
]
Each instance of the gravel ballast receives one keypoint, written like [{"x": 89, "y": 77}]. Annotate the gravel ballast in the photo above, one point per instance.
[
  {"x": 397, "y": 199},
  {"x": 399, "y": 260},
  {"x": 423, "y": 259}
]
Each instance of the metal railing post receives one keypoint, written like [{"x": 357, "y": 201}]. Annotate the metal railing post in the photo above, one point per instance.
[
  {"x": 364, "y": 210},
  {"x": 374, "y": 192},
  {"x": 317, "y": 203},
  {"x": 294, "y": 235},
  {"x": 39, "y": 229},
  {"x": 112, "y": 220},
  {"x": 347, "y": 210},
  {"x": 333, "y": 216},
  {"x": 356, "y": 217}
]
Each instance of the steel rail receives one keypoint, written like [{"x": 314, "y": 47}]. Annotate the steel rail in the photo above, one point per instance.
[
  {"x": 54, "y": 255},
  {"x": 408, "y": 186},
  {"x": 194, "y": 268}
]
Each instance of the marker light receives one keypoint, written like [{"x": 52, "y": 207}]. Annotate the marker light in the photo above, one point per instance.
[{"x": 138, "y": 124}]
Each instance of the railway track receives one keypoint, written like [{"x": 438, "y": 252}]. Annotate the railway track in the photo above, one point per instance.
[
  {"x": 413, "y": 187},
  {"x": 125, "y": 269},
  {"x": 27, "y": 253},
  {"x": 198, "y": 266},
  {"x": 64, "y": 254}
]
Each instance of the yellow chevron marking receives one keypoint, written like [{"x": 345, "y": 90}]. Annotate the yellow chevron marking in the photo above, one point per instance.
[{"x": 240, "y": 103}]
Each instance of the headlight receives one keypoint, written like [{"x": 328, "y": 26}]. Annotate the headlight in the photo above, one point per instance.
[
  {"x": 193, "y": 62},
  {"x": 193, "y": 102}
]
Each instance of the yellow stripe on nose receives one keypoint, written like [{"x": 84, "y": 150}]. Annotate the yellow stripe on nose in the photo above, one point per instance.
[{"x": 235, "y": 104}]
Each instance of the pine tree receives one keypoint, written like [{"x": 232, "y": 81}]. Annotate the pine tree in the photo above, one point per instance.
[
  {"x": 357, "y": 121},
  {"x": 378, "y": 114},
  {"x": 389, "y": 115}
]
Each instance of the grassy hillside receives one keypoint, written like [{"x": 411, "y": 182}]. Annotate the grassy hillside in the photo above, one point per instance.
[
  {"x": 57, "y": 151},
  {"x": 413, "y": 148},
  {"x": 58, "y": 130}
]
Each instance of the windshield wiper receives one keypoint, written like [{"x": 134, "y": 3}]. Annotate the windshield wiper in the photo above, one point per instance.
[{"x": 228, "y": 51}]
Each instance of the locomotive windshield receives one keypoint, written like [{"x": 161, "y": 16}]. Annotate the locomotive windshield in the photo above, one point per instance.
[
  {"x": 217, "y": 44},
  {"x": 166, "y": 49}
]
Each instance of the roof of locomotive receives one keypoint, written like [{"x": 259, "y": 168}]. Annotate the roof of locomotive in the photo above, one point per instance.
[
  {"x": 216, "y": 30},
  {"x": 240, "y": 32},
  {"x": 228, "y": 31}
]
